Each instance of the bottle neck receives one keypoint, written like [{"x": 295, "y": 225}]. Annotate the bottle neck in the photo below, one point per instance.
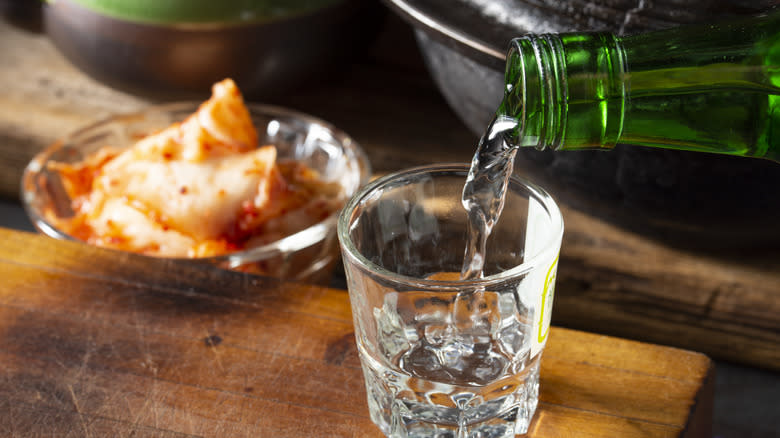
[
  {"x": 710, "y": 88},
  {"x": 565, "y": 90}
]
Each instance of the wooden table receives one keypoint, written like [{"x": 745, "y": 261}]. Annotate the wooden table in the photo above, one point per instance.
[
  {"x": 99, "y": 343},
  {"x": 610, "y": 281}
]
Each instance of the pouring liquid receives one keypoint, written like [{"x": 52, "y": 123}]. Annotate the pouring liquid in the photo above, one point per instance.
[{"x": 483, "y": 193}]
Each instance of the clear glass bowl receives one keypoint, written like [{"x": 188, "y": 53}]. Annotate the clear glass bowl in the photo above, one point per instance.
[{"x": 307, "y": 255}]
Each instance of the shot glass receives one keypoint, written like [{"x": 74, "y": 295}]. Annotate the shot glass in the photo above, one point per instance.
[{"x": 442, "y": 356}]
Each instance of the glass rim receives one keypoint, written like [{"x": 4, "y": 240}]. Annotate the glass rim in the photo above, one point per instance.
[{"x": 541, "y": 258}]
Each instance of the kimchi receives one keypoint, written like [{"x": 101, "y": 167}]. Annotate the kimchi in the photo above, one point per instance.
[{"x": 199, "y": 188}]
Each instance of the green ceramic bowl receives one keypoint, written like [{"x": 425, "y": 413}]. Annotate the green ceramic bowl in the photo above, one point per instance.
[
  {"x": 178, "y": 48},
  {"x": 172, "y": 12}
]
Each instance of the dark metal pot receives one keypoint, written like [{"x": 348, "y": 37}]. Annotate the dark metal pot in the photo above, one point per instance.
[{"x": 690, "y": 199}]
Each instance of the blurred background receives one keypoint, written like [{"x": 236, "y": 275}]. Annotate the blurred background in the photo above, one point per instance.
[{"x": 432, "y": 64}]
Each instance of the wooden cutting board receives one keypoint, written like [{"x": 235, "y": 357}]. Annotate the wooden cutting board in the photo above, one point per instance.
[
  {"x": 610, "y": 281},
  {"x": 100, "y": 343}
]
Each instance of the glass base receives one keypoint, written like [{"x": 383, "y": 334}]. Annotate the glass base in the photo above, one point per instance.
[{"x": 410, "y": 414}]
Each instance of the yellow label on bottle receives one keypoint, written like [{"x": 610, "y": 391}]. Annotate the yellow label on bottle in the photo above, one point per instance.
[{"x": 548, "y": 294}]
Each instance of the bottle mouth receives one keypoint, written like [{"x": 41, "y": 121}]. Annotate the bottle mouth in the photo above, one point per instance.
[
  {"x": 536, "y": 90},
  {"x": 514, "y": 78},
  {"x": 513, "y": 104}
]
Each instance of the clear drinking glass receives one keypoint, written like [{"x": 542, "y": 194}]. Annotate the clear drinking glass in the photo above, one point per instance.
[{"x": 445, "y": 357}]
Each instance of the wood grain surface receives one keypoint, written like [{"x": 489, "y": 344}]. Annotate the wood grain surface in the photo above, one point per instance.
[
  {"x": 610, "y": 281},
  {"x": 100, "y": 343}
]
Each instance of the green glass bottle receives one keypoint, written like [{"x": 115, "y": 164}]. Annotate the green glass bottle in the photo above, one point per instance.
[{"x": 712, "y": 88}]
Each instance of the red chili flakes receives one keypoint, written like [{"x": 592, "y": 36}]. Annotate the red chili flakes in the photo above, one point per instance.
[
  {"x": 183, "y": 190},
  {"x": 257, "y": 170}
]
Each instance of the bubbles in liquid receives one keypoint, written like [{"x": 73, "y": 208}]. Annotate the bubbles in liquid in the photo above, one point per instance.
[
  {"x": 455, "y": 365},
  {"x": 455, "y": 338}
]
